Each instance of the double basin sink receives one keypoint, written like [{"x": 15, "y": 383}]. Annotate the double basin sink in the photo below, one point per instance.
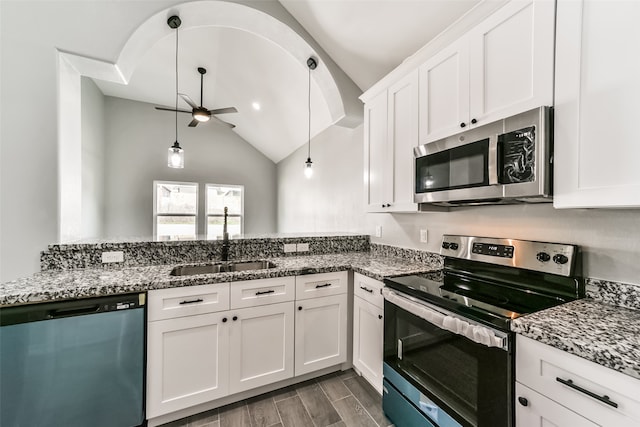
[{"x": 190, "y": 270}]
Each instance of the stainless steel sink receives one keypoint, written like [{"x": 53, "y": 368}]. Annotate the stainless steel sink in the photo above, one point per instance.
[{"x": 190, "y": 270}]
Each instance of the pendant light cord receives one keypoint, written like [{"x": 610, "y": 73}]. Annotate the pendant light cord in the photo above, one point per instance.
[
  {"x": 176, "y": 84},
  {"x": 309, "y": 110}
]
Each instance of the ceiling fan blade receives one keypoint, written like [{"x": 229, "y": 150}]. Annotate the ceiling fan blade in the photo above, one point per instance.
[
  {"x": 188, "y": 100},
  {"x": 224, "y": 110},
  {"x": 217, "y": 120},
  {"x": 193, "y": 123},
  {"x": 172, "y": 109}
]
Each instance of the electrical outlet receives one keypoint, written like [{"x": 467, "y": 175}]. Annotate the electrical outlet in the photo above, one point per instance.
[
  {"x": 303, "y": 247},
  {"x": 378, "y": 231},
  {"x": 114, "y": 256},
  {"x": 289, "y": 247},
  {"x": 424, "y": 236}
]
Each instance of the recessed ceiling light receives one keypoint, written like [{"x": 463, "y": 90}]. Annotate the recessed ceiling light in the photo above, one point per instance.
[{"x": 256, "y": 106}]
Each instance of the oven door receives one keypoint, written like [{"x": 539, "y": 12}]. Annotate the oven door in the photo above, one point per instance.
[{"x": 471, "y": 382}]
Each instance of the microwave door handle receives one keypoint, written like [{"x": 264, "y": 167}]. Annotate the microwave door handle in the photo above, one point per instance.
[{"x": 493, "y": 160}]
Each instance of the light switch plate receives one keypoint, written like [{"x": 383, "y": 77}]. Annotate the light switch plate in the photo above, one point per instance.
[
  {"x": 303, "y": 247},
  {"x": 114, "y": 256},
  {"x": 289, "y": 247}
]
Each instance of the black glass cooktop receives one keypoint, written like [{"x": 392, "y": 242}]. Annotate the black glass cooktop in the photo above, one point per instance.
[{"x": 485, "y": 293}]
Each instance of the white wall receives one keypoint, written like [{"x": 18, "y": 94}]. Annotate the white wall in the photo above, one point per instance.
[
  {"x": 332, "y": 199},
  {"x": 610, "y": 239},
  {"x": 137, "y": 139},
  {"x": 93, "y": 158}
]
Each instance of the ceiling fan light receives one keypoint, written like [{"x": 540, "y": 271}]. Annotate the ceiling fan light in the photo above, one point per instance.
[
  {"x": 201, "y": 115},
  {"x": 176, "y": 156}
]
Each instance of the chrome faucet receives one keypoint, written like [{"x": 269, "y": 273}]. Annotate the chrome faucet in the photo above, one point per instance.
[{"x": 224, "y": 254}]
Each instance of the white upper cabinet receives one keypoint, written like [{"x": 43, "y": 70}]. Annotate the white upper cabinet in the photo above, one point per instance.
[
  {"x": 597, "y": 104},
  {"x": 502, "y": 67},
  {"x": 511, "y": 61},
  {"x": 391, "y": 132},
  {"x": 444, "y": 92},
  {"x": 377, "y": 163}
]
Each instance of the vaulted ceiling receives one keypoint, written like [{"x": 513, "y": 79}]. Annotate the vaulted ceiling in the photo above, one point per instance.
[{"x": 365, "y": 38}]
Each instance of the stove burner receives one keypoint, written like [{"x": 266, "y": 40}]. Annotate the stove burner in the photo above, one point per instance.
[{"x": 488, "y": 298}]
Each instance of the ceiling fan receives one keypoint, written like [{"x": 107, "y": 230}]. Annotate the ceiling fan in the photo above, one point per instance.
[{"x": 199, "y": 113}]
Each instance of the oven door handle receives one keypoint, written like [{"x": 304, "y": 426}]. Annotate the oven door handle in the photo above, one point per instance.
[{"x": 447, "y": 321}]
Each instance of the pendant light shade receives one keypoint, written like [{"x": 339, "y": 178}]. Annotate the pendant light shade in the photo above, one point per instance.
[
  {"x": 176, "y": 153},
  {"x": 176, "y": 156},
  {"x": 308, "y": 171}
]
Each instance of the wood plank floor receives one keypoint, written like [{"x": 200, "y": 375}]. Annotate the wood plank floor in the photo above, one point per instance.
[{"x": 342, "y": 399}]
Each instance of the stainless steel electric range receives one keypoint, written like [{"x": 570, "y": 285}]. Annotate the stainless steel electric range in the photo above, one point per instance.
[{"x": 448, "y": 349}]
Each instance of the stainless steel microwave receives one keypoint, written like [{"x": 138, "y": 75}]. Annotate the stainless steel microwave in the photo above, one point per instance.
[{"x": 508, "y": 161}]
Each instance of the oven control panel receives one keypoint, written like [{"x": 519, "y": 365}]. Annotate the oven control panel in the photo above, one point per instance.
[
  {"x": 554, "y": 258},
  {"x": 504, "y": 251}
]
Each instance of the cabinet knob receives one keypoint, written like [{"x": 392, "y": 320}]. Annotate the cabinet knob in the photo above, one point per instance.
[
  {"x": 299, "y": 308},
  {"x": 379, "y": 316},
  {"x": 388, "y": 205},
  {"x": 224, "y": 320},
  {"x": 463, "y": 124},
  {"x": 474, "y": 121},
  {"x": 235, "y": 318},
  {"x": 383, "y": 205},
  {"x": 523, "y": 401}
]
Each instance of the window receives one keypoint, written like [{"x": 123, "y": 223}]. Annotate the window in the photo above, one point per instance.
[
  {"x": 219, "y": 196},
  {"x": 175, "y": 210}
]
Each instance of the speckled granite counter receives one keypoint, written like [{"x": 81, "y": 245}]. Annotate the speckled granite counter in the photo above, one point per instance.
[
  {"x": 605, "y": 334},
  {"x": 81, "y": 283}
]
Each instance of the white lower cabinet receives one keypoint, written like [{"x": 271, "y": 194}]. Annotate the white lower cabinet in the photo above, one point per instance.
[
  {"x": 187, "y": 362},
  {"x": 557, "y": 388},
  {"x": 261, "y": 346},
  {"x": 211, "y": 341},
  {"x": 535, "y": 410},
  {"x": 321, "y": 333},
  {"x": 368, "y": 328}
]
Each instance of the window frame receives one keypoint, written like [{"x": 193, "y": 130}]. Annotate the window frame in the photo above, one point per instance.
[
  {"x": 206, "y": 207},
  {"x": 155, "y": 205}
]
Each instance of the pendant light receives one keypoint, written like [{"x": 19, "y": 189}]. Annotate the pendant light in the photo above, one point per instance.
[
  {"x": 308, "y": 171},
  {"x": 176, "y": 153}
]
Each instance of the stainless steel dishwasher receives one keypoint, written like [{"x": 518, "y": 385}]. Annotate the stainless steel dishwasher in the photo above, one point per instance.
[{"x": 73, "y": 363}]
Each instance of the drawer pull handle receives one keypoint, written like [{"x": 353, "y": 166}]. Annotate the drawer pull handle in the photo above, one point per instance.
[
  {"x": 193, "y": 301},
  {"x": 270, "y": 291},
  {"x": 364, "y": 288},
  {"x": 323, "y": 286},
  {"x": 603, "y": 399}
]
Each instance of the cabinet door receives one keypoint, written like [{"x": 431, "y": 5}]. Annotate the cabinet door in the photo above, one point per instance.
[
  {"x": 261, "y": 346},
  {"x": 368, "y": 327},
  {"x": 596, "y": 105},
  {"x": 444, "y": 92},
  {"x": 511, "y": 61},
  {"x": 187, "y": 362},
  {"x": 541, "y": 411},
  {"x": 403, "y": 137},
  {"x": 377, "y": 155},
  {"x": 321, "y": 333}
]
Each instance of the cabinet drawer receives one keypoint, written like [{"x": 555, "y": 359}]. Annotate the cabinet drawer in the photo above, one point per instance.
[
  {"x": 252, "y": 293},
  {"x": 568, "y": 380},
  {"x": 321, "y": 285},
  {"x": 368, "y": 289},
  {"x": 534, "y": 410},
  {"x": 187, "y": 301}
]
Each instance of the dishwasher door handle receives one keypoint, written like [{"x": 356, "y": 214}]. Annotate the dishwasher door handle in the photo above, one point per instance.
[{"x": 64, "y": 312}]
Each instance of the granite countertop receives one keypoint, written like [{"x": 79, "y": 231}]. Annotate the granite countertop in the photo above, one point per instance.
[
  {"x": 602, "y": 333},
  {"x": 81, "y": 283}
]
